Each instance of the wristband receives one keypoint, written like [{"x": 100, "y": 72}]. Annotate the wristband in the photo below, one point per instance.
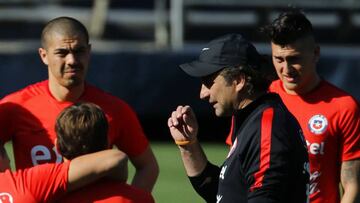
[{"x": 184, "y": 142}]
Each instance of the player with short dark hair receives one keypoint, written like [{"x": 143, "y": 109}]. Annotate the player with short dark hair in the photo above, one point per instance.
[
  {"x": 329, "y": 117},
  {"x": 66, "y": 53},
  {"x": 268, "y": 161},
  {"x": 289, "y": 27},
  {"x": 62, "y": 26}
]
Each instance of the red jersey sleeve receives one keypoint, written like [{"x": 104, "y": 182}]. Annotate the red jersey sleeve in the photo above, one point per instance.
[
  {"x": 47, "y": 182},
  {"x": 349, "y": 122},
  {"x": 5, "y": 120}
]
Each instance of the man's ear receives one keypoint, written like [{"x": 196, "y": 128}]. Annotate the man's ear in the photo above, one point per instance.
[
  {"x": 43, "y": 56},
  {"x": 239, "y": 82}
]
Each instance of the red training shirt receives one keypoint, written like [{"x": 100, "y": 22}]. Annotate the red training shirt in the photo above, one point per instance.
[
  {"x": 44, "y": 183},
  {"x": 27, "y": 117},
  {"x": 108, "y": 191},
  {"x": 330, "y": 120}
]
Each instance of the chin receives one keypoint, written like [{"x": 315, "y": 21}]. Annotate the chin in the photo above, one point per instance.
[
  {"x": 222, "y": 113},
  {"x": 291, "y": 86},
  {"x": 72, "y": 83},
  {"x": 218, "y": 113}
]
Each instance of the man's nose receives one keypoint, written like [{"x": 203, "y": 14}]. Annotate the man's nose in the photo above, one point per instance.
[
  {"x": 71, "y": 59},
  {"x": 287, "y": 67},
  {"x": 204, "y": 92}
]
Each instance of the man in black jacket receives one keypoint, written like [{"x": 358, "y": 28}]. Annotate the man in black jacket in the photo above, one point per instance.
[{"x": 268, "y": 161}]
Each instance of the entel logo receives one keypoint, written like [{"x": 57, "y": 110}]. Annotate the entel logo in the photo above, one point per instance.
[
  {"x": 42, "y": 153},
  {"x": 318, "y": 124},
  {"x": 6, "y": 198},
  {"x": 316, "y": 148}
]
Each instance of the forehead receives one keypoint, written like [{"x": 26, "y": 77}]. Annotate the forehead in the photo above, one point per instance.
[
  {"x": 294, "y": 48},
  {"x": 58, "y": 40},
  {"x": 212, "y": 76},
  {"x": 209, "y": 80},
  {"x": 303, "y": 45}
]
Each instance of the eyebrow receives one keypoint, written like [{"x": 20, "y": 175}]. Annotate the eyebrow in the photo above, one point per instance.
[
  {"x": 75, "y": 49},
  {"x": 287, "y": 56}
]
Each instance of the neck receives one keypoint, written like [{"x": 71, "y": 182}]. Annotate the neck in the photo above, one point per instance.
[
  {"x": 310, "y": 85},
  {"x": 61, "y": 93},
  {"x": 247, "y": 100}
]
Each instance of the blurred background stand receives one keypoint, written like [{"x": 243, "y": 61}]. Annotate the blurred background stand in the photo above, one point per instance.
[{"x": 138, "y": 45}]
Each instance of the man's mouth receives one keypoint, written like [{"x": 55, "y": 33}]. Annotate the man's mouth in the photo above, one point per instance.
[{"x": 289, "y": 79}]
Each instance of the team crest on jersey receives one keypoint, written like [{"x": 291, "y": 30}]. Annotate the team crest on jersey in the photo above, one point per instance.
[
  {"x": 318, "y": 124},
  {"x": 6, "y": 198}
]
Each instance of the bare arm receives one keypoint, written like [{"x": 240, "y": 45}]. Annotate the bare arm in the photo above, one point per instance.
[
  {"x": 184, "y": 127},
  {"x": 147, "y": 170},
  {"x": 88, "y": 168},
  {"x": 194, "y": 159},
  {"x": 350, "y": 180}
]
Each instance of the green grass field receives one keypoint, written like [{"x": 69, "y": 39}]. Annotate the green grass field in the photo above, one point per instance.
[{"x": 173, "y": 185}]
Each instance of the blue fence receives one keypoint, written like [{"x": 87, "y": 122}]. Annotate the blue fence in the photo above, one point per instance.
[{"x": 153, "y": 84}]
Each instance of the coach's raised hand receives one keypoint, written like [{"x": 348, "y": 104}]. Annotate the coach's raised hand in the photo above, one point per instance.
[
  {"x": 184, "y": 128},
  {"x": 183, "y": 125}
]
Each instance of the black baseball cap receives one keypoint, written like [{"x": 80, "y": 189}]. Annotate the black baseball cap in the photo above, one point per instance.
[{"x": 227, "y": 50}]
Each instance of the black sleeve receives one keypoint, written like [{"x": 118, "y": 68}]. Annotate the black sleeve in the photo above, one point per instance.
[{"x": 206, "y": 184}]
